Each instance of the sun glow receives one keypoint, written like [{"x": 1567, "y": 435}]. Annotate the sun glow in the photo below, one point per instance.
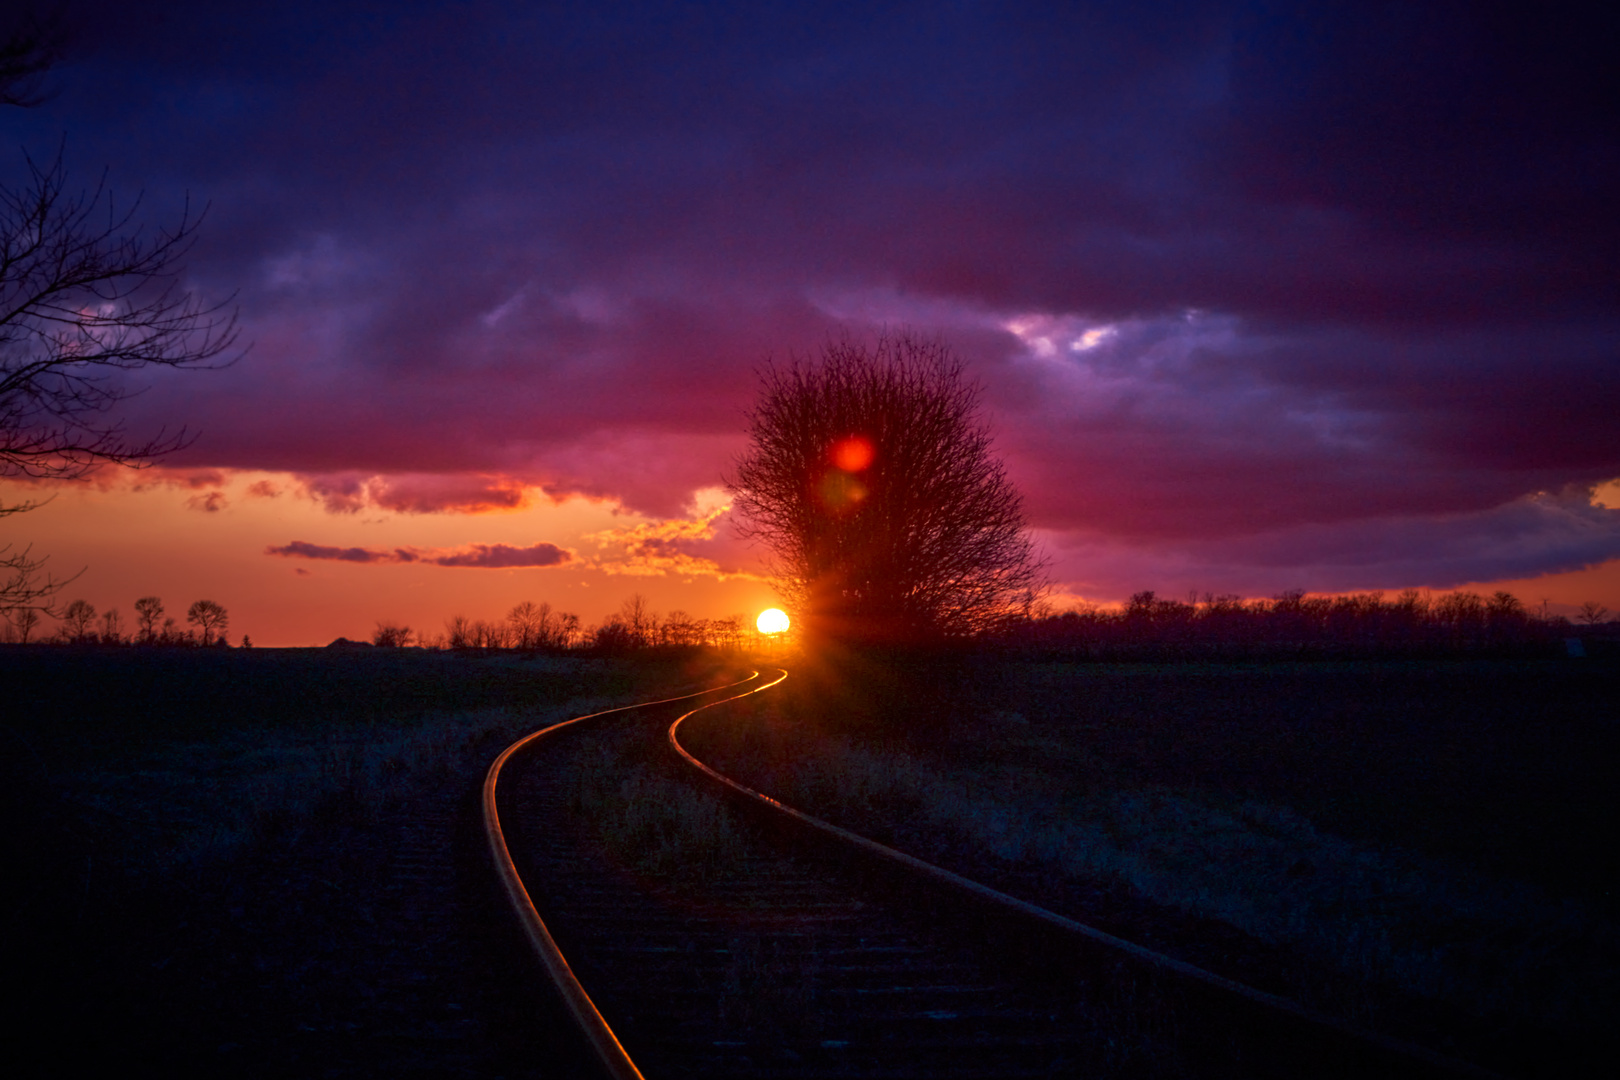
[
  {"x": 772, "y": 621},
  {"x": 853, "y": 454}
]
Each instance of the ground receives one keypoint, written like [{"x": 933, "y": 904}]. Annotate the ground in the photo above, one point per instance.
[{"x": 268, "y": 862}]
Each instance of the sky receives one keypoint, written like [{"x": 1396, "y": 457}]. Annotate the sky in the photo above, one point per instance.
[{"x": 1260, "y": 296}]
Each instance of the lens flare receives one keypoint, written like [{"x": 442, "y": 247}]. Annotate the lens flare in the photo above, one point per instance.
[
  {"x": 853, "y": 454},
  {"x": 841, "y": 492},
  {"x": 772, "y": 621}
]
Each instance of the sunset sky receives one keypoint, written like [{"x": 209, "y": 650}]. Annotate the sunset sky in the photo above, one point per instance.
[{"x": 1261, "y": 296}]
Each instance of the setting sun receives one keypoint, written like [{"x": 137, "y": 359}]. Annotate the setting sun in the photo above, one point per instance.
[{"x": 772, "y": 621}]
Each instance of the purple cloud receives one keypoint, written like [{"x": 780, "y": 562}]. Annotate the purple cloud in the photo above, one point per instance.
[
  {"x": 300, "y": 549},
  {"x": 487, "y": 556},
  {"x": 503, "y": 556},
  {"x": 1349, "y": 274}
]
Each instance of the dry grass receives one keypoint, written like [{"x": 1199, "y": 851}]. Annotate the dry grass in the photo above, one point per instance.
[
  {"x": 1376, "y": 914},
  {"x": 662, "y": 826}
]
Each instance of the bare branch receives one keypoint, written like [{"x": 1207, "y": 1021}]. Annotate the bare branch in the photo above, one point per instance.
[
  {"x": 25, "y": 585},
  {"x": 84, "y": 300}
]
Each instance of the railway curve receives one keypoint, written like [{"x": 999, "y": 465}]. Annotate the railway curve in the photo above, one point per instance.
[{"x": 818, "y": 952}]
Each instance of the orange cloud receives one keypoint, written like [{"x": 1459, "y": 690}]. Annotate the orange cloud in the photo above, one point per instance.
[{"x": 669, "y": 547}]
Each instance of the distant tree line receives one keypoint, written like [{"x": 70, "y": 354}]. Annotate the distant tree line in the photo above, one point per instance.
[
  {"x": 532, "y": 627},
  {"x": 1297, "y": 623},
  {"x": 1147, "y": 626},
  {"x": 80, "y": 624}
]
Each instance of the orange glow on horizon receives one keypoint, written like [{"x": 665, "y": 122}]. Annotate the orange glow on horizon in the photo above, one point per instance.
[{"x": 126, "y": 537}]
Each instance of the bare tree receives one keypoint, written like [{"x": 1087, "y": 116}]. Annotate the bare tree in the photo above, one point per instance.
[
  {"x": 568, "y": 631},
  {"x": 457, "y": 632},
  {"x": 640, "y": 621},
  {"x": 86, "y": 296},
  {"x": 208, "y": 617},
  {"x": 149, "y": 614},
  {"x": 77, "y": 619},
  {"x": 679, "y": 628},
  {"x": 614, "y": 635},
  {"x": 1593, "y": 613},
  {"x": 533, "y": 626},
  {"x": 870, "y": 477},
  {"x": 728, "y": 632},
  {"x": 488, "y": 634},
  {"x": 112, "y": 627},
  {"x": 23, "y": 621},
  {"x": 390, "y": 635}
]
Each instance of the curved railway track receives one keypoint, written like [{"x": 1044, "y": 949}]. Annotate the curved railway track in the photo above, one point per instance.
[{"x": 695, "y": 927}]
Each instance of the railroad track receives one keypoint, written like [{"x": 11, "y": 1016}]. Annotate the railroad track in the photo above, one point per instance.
[{"x": 695, "y": 927}]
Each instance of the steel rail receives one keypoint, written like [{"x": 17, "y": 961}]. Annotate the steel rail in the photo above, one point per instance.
[
  {"x": 960, "y": 884},
  {"x": 609, "y": 1051}
]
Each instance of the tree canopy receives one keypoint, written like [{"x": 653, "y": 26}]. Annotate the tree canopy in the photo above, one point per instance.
[{"x": 870, "y": 477}]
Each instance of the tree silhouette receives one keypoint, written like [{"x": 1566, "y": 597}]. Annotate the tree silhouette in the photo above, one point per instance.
[
  {"x": 149, "y": 614},
  {"x": 640, "y": 621},
  {"x": 208, "y": 617},
  {"x": 77, "y": 619},
  {"x": 535, "y": 626},
  {"x": 23, "y": 622},
  {"x": 85, "y": 296},
  {"x": 871, "y": 479},
  {"x": 457, "y": 632},
  {"x": 390, "y": 635}
]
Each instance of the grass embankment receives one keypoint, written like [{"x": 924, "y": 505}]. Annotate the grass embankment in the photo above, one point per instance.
[{"x": 1438, "y": 833}]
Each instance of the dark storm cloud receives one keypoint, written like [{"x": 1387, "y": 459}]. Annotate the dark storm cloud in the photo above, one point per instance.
[
  {"x": 1525, "y": 538},
  {"x": 1343, "y": 265},
  {"x": 1419, "y": 423},
  {"x": 483, "y": 556},
  {"x": 302, "y": 549},
  {"x": 504, "y": 556}
]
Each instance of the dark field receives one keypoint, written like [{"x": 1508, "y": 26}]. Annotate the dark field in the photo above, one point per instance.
[
  {"x": 1507, "y": 766},
  {"x": 270, "y": 863},
  {"x": 267, "y": 862},
  {"x": 1430, "y": 848}
]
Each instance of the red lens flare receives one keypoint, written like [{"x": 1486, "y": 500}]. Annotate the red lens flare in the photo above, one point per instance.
[
  {"x": 841, "y": 492},
  {"x": 853, "y": 454}
]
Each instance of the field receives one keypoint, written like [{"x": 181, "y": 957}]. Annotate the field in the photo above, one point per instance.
[
  {"x": 1427, "y": 848},
  {"x": 267, "y": 862}
]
